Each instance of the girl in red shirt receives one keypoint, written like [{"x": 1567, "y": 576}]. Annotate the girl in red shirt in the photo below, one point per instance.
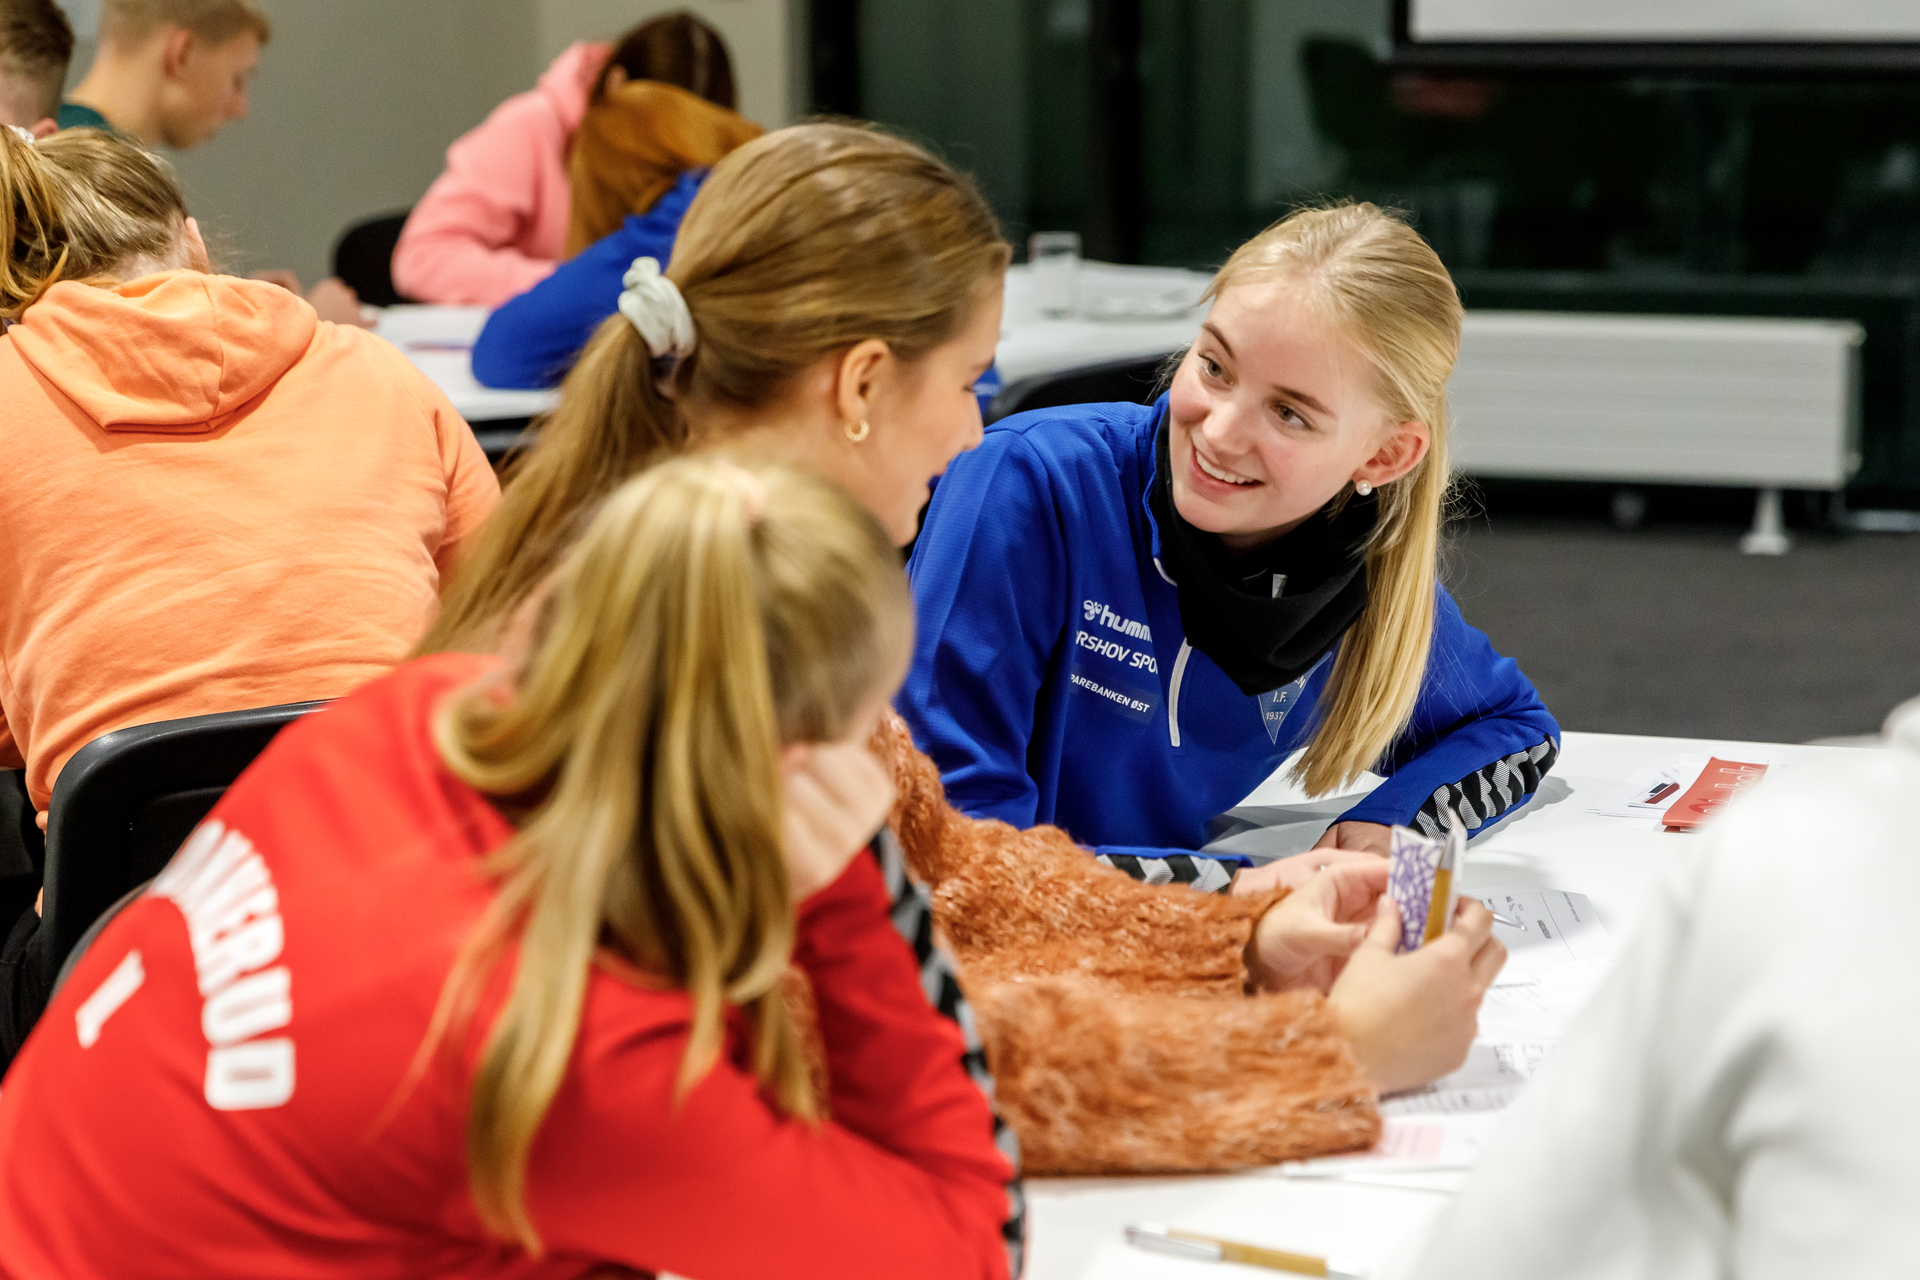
[{"x": 437, "y": 989}]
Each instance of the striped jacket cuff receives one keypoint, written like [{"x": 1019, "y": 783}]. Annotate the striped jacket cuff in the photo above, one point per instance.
[
  {"x": 1208, "y": 875},
  {"x": 1483, "y": 795}
]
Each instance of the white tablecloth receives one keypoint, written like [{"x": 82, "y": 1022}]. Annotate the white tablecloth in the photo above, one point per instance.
[
  {"x": 439, "y": 340},
  {"x": 1556, "y": 843}
]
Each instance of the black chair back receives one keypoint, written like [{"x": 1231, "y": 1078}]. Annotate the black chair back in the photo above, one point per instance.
[
  {"x": 363, "y": 257},
  {"x": 22, "y": 848},
  {"x": 127, "y": 800},
  {"x": 1136, "y": 381}
]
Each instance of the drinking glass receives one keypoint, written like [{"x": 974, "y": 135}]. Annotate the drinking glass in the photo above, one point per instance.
[{"x": 1055, "y": 259}]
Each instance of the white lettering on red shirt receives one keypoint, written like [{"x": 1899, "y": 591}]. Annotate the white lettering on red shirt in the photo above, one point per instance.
[{"x": 223, "y": 888}]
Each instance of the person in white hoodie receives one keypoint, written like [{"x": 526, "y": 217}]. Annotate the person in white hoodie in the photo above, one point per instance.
[
  {"x": 1738, "y": 1100},
  {"x": 495, "y": 223}
]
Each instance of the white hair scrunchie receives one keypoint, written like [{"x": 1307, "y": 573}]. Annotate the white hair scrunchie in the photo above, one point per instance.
[{"x": 653, "y": 304}]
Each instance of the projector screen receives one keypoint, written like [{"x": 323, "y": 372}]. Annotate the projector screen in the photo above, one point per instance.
[{"x": 1664, "y": 21}]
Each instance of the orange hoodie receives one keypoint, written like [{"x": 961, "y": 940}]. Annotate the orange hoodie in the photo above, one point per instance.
[{"x": 213, "y": 501}]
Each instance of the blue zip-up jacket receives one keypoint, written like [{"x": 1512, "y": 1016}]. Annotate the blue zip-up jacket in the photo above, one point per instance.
[
  {"x": 1052, "y": 681},
  {"x": 532, "y": 340}
]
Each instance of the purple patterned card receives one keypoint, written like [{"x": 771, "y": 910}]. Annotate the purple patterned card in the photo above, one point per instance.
[
  {"x": 1410, "y": 876},
  {"x": 1420, "y": 871}
]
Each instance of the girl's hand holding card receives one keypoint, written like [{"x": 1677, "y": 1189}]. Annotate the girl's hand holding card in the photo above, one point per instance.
[
  {"x": 1304, "y": 940},
  {"x": 1424, "y": 881}
]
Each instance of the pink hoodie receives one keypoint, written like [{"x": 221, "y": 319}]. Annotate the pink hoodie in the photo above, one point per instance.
[{"x": 495, "y": 223}]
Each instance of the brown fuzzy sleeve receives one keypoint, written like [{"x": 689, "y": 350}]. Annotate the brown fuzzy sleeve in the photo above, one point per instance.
[
  {"x": 1033, "y": 902},
  {"x": 920, "y": 809},
  {"x": 1111, "y": 1011},
  {"x": 1095, "y": 1084}
]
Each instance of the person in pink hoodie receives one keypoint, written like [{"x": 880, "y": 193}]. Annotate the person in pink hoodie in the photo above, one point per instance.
[{"x": 494, "y": 224}]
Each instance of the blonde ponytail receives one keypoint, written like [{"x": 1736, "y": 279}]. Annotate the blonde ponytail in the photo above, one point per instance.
[
  {"x": 800, "y": 244},
  {"x": 80, "y": 205},
  {"x": 707, "y": 615},
  {"x": 1385, "y": 288}
]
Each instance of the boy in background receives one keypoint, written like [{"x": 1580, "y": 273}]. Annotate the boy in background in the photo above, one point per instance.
[
  {"x": 176, "y": 72},
  {"x": 169, "y": 71},
  {"x": 36, "y": 43}
]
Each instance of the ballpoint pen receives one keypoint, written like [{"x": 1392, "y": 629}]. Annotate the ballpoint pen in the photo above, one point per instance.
[{"x": 1159, "y": 1238}]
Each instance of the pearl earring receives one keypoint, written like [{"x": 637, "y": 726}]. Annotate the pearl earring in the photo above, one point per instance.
[
  {"x": 859, "y": 433},
  {"x": 1363, "y": 487}
]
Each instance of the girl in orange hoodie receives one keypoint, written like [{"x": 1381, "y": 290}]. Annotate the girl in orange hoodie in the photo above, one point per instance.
[{"x": 214, "y": 499}]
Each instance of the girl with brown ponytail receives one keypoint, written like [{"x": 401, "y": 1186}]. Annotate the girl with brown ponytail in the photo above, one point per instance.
[
  {"x": 481, "y": 970},
  {"x": 832, "y": 296},
  {"x": 843, "y": 292}
]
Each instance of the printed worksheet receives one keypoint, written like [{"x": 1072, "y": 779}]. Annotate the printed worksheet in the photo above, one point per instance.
[
  {"x": 1409, "y": 1144},
  {"x": 1558, "y": 953}
]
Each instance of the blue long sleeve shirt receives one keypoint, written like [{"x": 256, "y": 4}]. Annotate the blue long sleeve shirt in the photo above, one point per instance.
[
  {"x": 1052, "y": 681},
  {"x": 532, "y": 340}
]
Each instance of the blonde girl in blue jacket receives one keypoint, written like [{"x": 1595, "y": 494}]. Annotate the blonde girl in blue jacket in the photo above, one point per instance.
[{"x": 1132, "y": 615}]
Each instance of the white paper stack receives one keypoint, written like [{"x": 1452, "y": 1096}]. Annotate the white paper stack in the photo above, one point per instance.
[{"x": 1555, "y": 962}]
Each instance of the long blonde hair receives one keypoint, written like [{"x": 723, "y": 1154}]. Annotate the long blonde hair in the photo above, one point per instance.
[
  {"x": 709, "y": 614},
  {"x": 800, "y": 244},
  {"x": 80, "y": 205},
  {"x": 1384, "y": 288}
]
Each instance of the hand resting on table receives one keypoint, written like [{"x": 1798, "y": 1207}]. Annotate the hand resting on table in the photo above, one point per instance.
[{"x": 1294, "y": 871}]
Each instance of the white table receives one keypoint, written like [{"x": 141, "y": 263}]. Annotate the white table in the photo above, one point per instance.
[
  {"x": 439, "y": 340},
  {"x": 1556, "y": 842},
  {"x": 1031, "y": 343}
]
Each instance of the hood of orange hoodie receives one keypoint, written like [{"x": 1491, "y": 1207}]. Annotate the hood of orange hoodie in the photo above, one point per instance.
[
  {"x": 172, "y": 352},
  {"x": 568, "y": 83}
]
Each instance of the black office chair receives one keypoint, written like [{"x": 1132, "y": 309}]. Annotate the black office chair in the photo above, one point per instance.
[
  {"x": 363, "y": 257},
  {"x": 501, "y": 438},
  {"x": 120, "y": 808},
  {"x": 1135, "y": 381},
  {"x": 22, "y": 848}
]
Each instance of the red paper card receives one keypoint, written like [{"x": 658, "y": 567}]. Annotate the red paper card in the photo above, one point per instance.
[{"x": 1718, "y": 783}]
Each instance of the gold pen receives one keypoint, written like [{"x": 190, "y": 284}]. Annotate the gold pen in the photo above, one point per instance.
[{"x": 1158, "y": 1238}]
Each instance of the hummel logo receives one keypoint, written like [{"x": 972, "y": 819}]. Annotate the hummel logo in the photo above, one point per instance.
[{"x": 1095, "y": 611}]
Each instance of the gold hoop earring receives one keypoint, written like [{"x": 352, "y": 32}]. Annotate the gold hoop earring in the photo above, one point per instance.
[{"x": 859, "y": 433}]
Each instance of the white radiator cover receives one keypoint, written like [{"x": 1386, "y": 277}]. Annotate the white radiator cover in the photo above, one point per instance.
[{"x": 1659, "y": 399}]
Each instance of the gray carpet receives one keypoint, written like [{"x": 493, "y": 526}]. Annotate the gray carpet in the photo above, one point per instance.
[{"x": 1670, "y": 630}]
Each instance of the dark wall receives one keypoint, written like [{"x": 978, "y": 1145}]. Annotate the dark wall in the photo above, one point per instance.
[{"x": 1134, "y": 122}]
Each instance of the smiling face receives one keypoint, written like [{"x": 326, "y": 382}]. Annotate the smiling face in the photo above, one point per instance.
[{"x": 1272, "y": 413}]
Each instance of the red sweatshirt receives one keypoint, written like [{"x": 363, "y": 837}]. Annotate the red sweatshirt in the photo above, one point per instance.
[{"x": 217, "y": 1091}]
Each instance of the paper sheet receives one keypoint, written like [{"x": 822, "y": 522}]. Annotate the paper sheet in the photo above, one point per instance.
[
  {"x": 1554, "y": 963},
  {"x": 1649, "y": 790},
  {"x": 1409, "y": 1144}
]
